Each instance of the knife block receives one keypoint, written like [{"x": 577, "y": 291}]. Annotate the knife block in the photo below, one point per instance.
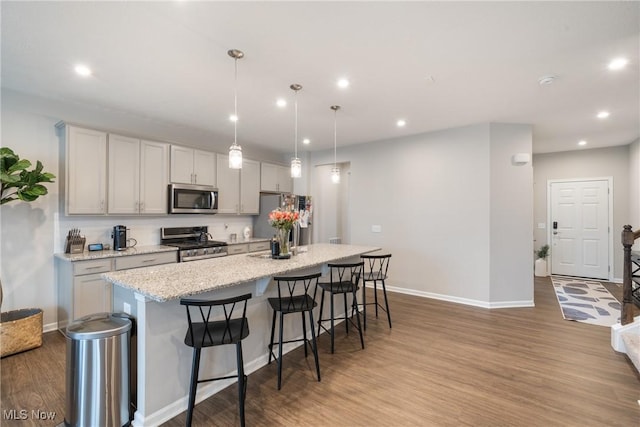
[{"x": 74, "y": 245}]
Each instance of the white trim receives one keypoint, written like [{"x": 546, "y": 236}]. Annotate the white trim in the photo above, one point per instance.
[
  {"x": 609, "y": 180},
  {"x": 50, "y": 327},
  {"x": 465, "y": 301},
  {"x": 616, "y": 334}
]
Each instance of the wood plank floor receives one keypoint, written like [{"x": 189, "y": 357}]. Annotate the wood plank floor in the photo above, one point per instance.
[{"x": 442, "y": 364}]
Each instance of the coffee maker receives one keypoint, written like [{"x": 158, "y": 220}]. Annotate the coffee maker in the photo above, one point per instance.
[{"x": 119, "y": 238}]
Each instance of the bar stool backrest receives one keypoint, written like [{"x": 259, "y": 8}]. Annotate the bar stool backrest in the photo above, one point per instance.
[
  {"x": 376, "y": 266},
  {"x": 206, "y": 332},
  {"x": 346, "y": 276},
  {"x": 290, "y": 287}
]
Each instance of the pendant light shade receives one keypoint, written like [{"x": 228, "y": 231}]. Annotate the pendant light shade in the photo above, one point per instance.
[
  {"x": 335, "y": 170},
  {"x": 235, "y": 151},
  {"x": 296, "y": 163}
]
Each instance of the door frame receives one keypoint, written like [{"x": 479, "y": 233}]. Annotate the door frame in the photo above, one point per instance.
[{"x": 609, "y": 180}]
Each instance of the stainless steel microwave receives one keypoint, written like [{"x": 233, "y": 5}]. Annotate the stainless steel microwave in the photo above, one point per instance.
[{"x": 192, "y": 199}]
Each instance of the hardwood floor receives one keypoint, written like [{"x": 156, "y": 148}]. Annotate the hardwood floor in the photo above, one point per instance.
[{"x": 442, "y": 364}]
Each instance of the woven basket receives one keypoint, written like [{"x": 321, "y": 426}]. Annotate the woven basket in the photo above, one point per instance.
[{"x": 20, "y": 330}]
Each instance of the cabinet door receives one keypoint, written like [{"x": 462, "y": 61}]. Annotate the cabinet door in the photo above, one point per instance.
[
  {"x": 86, "y": 171},
  {"x": 124, "y": 175},
  {"x": 285, "y": 182},
  {"x": 181, "y": 165},
  {"x": 228, "y": 185},
  {"x": 154, "y": 177},
  {"x": 91, "y": 295},
  {"x": 250, "y": 187},
  {"x": 268, "y": 177},
  {"x": 204, "y": 167}
]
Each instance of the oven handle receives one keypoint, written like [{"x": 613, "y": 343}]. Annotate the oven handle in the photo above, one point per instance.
[{"x": 205, "y": 256}]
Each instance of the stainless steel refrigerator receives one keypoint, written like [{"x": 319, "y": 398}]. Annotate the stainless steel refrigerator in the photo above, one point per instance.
[{"x": 302, "y": 233}]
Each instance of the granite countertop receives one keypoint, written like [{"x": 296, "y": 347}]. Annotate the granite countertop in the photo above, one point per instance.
[
  {"x": 172, "y": 281},
  {"x": 138, "y": 250}
]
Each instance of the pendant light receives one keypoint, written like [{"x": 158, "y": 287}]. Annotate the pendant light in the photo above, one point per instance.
[
  {"x": 296, "y": 164},
  {"x": 335, "y": 170},
  {"x": 235, "y": 151}
]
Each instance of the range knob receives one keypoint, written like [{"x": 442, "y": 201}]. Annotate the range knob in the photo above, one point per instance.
[{"x": 206, "y": 251}]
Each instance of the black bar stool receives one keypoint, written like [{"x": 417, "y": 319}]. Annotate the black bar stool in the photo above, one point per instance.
[
  {"x": 344, "y": 280},
  {"x": 204, "y": 332},
  {"x": 289, "y": 302},
  {"x": 376, "y": 267}
]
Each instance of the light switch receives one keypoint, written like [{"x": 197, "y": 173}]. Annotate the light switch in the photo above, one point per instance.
[
  {"x": 376, "y": 229},
  {"x": 542, "y": 225}
]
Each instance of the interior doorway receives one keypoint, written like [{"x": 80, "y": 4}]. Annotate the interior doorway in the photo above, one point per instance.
[
  {"x": 580, "y": 215},
  {"x": 331, "y": 205}
]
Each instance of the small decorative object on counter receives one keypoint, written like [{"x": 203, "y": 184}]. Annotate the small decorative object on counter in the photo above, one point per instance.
[
  {"x": 283, "y": 221},
  {"x": 75, "y": 242}
]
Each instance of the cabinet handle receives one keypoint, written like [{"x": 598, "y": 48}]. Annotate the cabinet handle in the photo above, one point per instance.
[
  {"x": 141, "y": 206},
  {"x": 102, "y": 205},
  {"x": 93, "y": 268},
  {"x": 195, "y": 178},
  {"x": 149, "y": 260}
]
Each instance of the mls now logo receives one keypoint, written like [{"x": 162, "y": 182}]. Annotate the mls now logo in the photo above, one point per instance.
[{"x": 23, "y": 414}]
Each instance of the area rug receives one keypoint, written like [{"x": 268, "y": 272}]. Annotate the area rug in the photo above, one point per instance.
[{"x": 586, "y": 301}]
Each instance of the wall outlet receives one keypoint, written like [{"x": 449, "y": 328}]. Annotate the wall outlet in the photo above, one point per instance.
[
  {"x": 542, "y": 225},
  {"x": 376, "y": 229},
  {"x": 126, "y": 307}
]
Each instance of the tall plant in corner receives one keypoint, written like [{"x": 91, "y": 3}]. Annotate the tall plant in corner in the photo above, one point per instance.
[{"x": 19, "y": 183}]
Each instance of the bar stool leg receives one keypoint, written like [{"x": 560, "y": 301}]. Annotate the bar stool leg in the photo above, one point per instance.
[
  {"x": 355, "y": 305},
  {"x": 242, "y": 382},
  {"x": 364, "y": 303},
  {"x": 386, "y": 302},
  {"x": 304, "y": 333},
  {"x": 346, "y": 313},
  {"x": 320, "y": 314},
  {"x": 314, "y": 344},
  {"x": 195, "y": 367},
  {"x": 280, "y": 351},
  {"x": 375, "y": 295},
  {"x": 273, "y": 329},
  {"x": 332, "y": 322}
]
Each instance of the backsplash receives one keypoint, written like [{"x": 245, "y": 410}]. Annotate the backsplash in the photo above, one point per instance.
[{"x": 146, "y": 230}]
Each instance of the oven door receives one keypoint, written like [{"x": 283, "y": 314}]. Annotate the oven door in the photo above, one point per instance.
[{"x": 192, "y": 199}]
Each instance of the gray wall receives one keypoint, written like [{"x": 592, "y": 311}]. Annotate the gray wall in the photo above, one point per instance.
[
  {"x": 634, "y": 188},
  {"x": 435, "y": 197},
  {"x": 594, "y": 163}
]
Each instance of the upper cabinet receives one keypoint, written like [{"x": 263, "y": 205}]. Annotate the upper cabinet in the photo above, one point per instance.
[
  {"x": 275, "y": 178},
  {"x": 238, "y": 190},
  {"x": 85, "y": 170},
  {"x": 138, "y": 176},
  {"x": 191, "y": 166}
]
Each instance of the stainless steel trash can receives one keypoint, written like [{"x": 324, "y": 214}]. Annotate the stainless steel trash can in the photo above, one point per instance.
[{"x": 97, "y": 378}]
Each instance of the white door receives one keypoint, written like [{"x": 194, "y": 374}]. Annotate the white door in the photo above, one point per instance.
[{"x": 580, "y": 228}]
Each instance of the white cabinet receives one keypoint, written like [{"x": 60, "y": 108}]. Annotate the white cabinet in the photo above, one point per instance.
[
  {"x": 81, "y": 289},
  {"x": 275, "y": 178},
  {"x": 85, "y": 170},
  {"x": 238, "y": 189},
  {"x": 138, "y": 176},
  {"x": 190, "y": 166}
]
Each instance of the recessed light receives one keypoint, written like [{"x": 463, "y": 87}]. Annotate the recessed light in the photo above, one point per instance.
[
  {"x": 233, "y": 118},
  {"x": 618, "y": 63},
  {"x": 603, "y": 114},
  {"x": 343, "y": 83},
  {"x": 401, "y": 123},
  {"x": 281, "y": 103},
  {"x": 82, "y": 70},
  {"x": 583, "y": 142},
  {"x": 306, "y": 141}
]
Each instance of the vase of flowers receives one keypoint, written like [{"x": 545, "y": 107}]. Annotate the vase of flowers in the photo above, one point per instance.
[{"x": 283, "y": 221}]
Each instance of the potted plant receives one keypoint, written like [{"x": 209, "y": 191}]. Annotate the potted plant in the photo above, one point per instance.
[
  {"x": 541, "y": 263},
  {"x": 20, "y": 330}
]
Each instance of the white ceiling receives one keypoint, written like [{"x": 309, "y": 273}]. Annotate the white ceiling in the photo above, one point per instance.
[{"x": 436, "y": 64}]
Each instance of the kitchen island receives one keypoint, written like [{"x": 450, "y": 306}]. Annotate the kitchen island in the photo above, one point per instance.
[{"x": 152, "y": 295}]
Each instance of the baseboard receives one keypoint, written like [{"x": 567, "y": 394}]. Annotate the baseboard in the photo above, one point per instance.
[
  {"x": 459, "y": 300},
  {"x": 50, "y": 327},
  {"x": 616, "y": 334}
]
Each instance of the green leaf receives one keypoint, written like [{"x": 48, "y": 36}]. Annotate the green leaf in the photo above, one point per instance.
[{"x": 19, "y": 165}]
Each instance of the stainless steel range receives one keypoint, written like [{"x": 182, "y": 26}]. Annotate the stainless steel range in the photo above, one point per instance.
[{"x": 194, "y": 243}]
